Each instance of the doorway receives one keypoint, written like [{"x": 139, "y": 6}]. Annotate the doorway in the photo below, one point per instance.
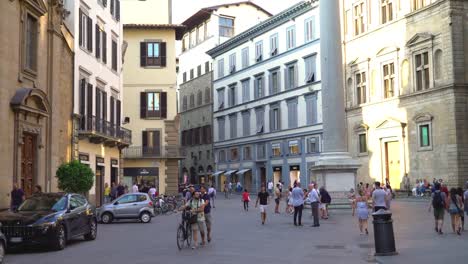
[
  {"x": 99, "y": 185},
  {"x": 392, "y": 163},
  {"x": 28, "y": 163},
  {"x": 114, "y": 175},
  {"x": 248, "y": 180},
  {"x": 277, "y": 172},
  {"x": 294, "y": 175}
]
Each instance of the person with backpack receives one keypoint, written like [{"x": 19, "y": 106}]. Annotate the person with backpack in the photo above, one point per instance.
[
  {"x": 325, "y": 200},
  {"x": 455, "y": 206},
  {"x": 197, "y": 207},
  {"x": 438, "y": 203}
]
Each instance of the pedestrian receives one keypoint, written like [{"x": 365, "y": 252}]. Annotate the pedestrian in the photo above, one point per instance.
[
  {"x": 246, "y": 199},
  {"x": 37, "y": 189},
  {"x": 189, "y": 193},
  {"x": 152, "y": 192},
  {"x": 226, "y": 190},
  {"x": 145, "y": 188},
  {"x": 297, "y": 200},
  {"x": 207, "y": 211},
  {"x": 238, "y": 187},
  {"x": 197, "y": 206},
  {"x": 135, "y": 188},
  {"x": 438, "y": 202},
  {"x": 379, "y": 198},
  {"x": 263, "y": 198},
  {"x": 281, "y": 184},
  {"x": 325, "y": 200},
  {"x": 406, "y": 184},
  {"x": 120, "y": 190},
  {"x": 352, "y": 198},
  {"x": 277, "y": 198},
  {"x": 113, "y": 193},
  {"x": 17, "y": 197},
  {"x": 212, "y": 194},
  {"x": 107, "y": 191},
  {"x": 362, "y": 212},
  {"x": 314, "y": 200},
  {"x": 230, "y": 188},
  {"x": 270, "y": 187},
  {"x": 388, "y": 190},
  {"x": 289, "y": 206},
  {"x": 462, "y": 214},
  {"x": 455, "y": 206}
]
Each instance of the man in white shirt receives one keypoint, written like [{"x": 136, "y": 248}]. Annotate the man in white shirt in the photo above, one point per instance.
[
  {"x": 379, "y": 198},
  {"x": 212, "y": 194},
  {"x": 314, "y": 202},
  {"x": 135, "y": 188},
  {"x": 152, "y": 192},
  {"x": 270, "y": 187}
]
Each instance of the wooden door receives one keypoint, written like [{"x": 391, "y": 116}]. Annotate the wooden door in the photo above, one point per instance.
[
  {"x": 28, "y": 163},
  {"x": 99, "y": 185},
  {"x": 392, "y": 150}
]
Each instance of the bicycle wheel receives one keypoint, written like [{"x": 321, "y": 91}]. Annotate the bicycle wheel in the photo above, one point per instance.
[{"x": 180, "y": 237}]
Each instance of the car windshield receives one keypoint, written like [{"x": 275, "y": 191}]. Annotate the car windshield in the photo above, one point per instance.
[{"x": 44, "y": 203}]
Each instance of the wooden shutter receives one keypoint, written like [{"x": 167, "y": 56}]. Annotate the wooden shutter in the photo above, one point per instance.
[
  {"x": 112, "y": 7},
  {"x": 118, "y": 120},
  {"x": 80, "y": 32},
  {"x": 163, "y": 105},
  {"x": 104, "y": 47},
  {"x": 156, "y": 142},
  {"x": 144, "y": 138},
  {"x": 270, "y": 83},
  {"x": 271, "y": 119},
  {"x": 90, "y": 34},
  {"x": 104, "y": 3},
  {"x": 296, "y": 76},
  {"x": 90, "y": 100},
  {"x": 286, "y": 79},
  {"x": 98, "y": 105},
  {"x": 143, "y": 105},
  {"x": 82, "y": 97},
  {"x": 98, "y": 42},
  {"x": 104, "y": 106},
  {"x": 114, "y": 55},
  {"x": 142, "y": 54},
  {"x": 162, "y": 47},
  {"x": 117, "y": 10},
  {"x": 112, "y": 110}
]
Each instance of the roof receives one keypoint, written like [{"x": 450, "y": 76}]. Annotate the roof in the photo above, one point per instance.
[
  {"x": 180, "y": 29},
  {"x": 265, "y": 26},
  {"x": 204, "y": 13}
]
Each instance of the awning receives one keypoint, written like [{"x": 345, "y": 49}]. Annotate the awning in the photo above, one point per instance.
[
  {"x": 228, "y": 173},
  {"x": 216, "y": 174},
  {"x": 241, "y": 172}
]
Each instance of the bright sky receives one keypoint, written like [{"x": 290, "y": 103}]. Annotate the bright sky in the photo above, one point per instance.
[{"x": 182, "y": 9}]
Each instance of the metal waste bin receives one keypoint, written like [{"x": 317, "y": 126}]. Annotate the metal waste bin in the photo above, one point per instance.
[{"x": 383, "y": 233}]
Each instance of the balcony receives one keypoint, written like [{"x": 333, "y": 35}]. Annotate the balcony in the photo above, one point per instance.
[
  {"x": 101, "y": 131},
  {"x": 141, "y": 152}
]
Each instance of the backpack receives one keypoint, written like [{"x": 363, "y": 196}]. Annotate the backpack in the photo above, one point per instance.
[{"x": 437, "y": 201}]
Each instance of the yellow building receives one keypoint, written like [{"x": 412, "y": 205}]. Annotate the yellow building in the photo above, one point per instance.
[{"x": 150, "y": 105}]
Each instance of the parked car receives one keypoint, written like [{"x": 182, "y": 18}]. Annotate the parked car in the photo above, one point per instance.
[
  {"x": 128, "y": 206},
  {"x": 50, "y": 218},
  {"x": 3, "y": 245}
]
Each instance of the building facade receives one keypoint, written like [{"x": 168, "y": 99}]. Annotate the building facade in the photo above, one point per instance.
[
  {"x": 150, "y": 92},
  {"x": 36, "y": 96},
  {"x": 207, "y": 28},
  {"x": 406, "y": 81},
  {"x": 267, "y": 102},
  {"x": 99, "y": 136}
]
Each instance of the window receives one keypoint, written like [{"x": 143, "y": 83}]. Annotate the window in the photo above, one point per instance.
[
  {"x": 221, "y": 68},
  {"x": 389, "y": 80},
  {"x": 245, "y": 90},
  {"x": 274, "y": 45},
  {"x": 199, "y": 98},
  {"x": 207, "y": 67},
  {"x": 220, "y": 98},
  {"x": 276, "y": 149},
  {"x": 153, "y": 54},
  {"x": 311, "y": 109},
  {"x": 115, "y": 9},
  {"x": 85, "y": 31},
  {"x": 294, "y": 147},
  {"x": 192, "y": 101},
  {"x": 234, "y": 154},
  {"x": 131, "y": 198},
  {"x": 386, "y": 11},
  {"x": 424, "y": 135},
  {"x": 232, "y": 63},
  {"x": 222, "y": 156},
  {"x": 114, "y": 55},
  {"x": 247, "y": 153},
  {"x": 292, "y": 113},
  {"x": 310, "y": 29},
  {"x": 260, "y": 120},
  {"x": 359, "y": 19},
  {"x": 246, "y": 123},
  {"x": 259, "y": 87},
  {"x": 208, "y": 154},
  {"x": 310, "y": 68},
  {"x": 31, "y": 42},
  {"x": 100, "y": 109},
  {"x": 200, "y": 31},
  {"x": 259, "y": 51},
  {"x": 232, "y": 95},
  {"x": 275, "y": 118},
  {"x": 291, "y": 76},
  {"x": 184, "y": 43},
  {"x": 245, "y": 57},
  {"x": 261, "y": 153},
  {"x": 184, "y": 103},
  {"x": 418, "y": 4},
  {"x": 422, "y": 71},
  {"x": 184, "y": 77},
  {"x": 101, "y": 44},
  {"x": 221, "y": 128},
  {"x": 291, "y": 37},
  {"x": 313, "y": 145},
  {"x": 199, "y": 70},
  {"x": 274, "y": 82},
  {"x": 192, "y": 39},
  {"x": 233, "y": 125},
  {"x": 361, "y": 88},
  {"x": 191, "y": 74},
  {"x": 362, "y": 143},
  {"x": 205, "y": 30},
  {"x": 151, "y": 142},
  {"x": 226, "y": 27},
  {"x": 153, "y": 104},
  {"x": 207, "y": 95}
]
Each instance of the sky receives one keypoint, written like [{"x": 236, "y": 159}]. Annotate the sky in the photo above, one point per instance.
[{"x": 182, "y": 9}]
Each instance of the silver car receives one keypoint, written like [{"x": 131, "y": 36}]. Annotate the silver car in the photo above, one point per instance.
[{"x": 128, "y": 206}]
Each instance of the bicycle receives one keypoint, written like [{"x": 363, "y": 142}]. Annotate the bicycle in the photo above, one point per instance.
[
  {"x": 184, "y": 231},
  {"x": 161, "y": 207}
]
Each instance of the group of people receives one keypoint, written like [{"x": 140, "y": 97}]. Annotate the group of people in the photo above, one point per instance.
[{"x": 17, "y": 195}]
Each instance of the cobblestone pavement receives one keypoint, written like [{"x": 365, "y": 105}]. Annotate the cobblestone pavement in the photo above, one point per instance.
[{"x": 239, "y": 237}]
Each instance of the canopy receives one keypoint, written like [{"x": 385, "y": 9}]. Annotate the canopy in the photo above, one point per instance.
[
  {"x": 241, "y": 172},
  {"x": 228, "y": 173},
  {"x": 217, "y": 173}
]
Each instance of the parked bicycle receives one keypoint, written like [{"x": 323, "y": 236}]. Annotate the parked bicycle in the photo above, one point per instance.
[
  {"x": 162, "y": 207},
  {"x": 184, "y": 231}
]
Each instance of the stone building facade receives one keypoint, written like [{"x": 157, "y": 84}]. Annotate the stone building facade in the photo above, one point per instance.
[
  {"x": 406, "y": 81},
  {"x": 36, "y": 94}
]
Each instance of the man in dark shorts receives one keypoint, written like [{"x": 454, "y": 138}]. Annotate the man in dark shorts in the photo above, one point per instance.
[
  {"x": 438, "y": 203},
  {"x": 206, "y": 197},
  {"x": 263, "y": 197}
]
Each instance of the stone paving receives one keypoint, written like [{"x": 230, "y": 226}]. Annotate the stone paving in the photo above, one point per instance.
[{"x": 239, "y": 237}]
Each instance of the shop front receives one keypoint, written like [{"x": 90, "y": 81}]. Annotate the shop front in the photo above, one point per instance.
[
  {"x": 146, "y": 175},
  {"x": 277, "y": 175},
  {"x": 294, "y": 174},
  {"x": 245, "y": 177}
]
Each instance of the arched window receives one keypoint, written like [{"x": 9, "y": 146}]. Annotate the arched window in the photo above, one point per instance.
[
  {"x": 192, "y": 101},
  {"x": 207, "y": 95},
  {"x": 199, "y": 98},
  {"x": 184, "y": 103}
]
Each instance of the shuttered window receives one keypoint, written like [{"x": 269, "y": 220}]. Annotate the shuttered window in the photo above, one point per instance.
[
  {"x": 153, "y": 105},
  {"x": 290, "y": 76},
  {"x": 151, "y": 142},
  {"x": 114, "y": 55},
  {"x": 245, "y": 90},
  {"x": 221, "y": 128},
  {"x": 292, "y": 114},
  {"x": 245, "y": 57},
  {"x": 274, "y": 82},
  {"x": 246, "y": 123},
  {"x": 85, "y": 31},
  {"x": 260, "y": 120},
  {"x": 153, "y": 54},
  {"x": 275, "y": 118},
  {"x": 311, "y": 109},
  {"x": 233, "y": 125},
  {"x": 31, "y": 42}
]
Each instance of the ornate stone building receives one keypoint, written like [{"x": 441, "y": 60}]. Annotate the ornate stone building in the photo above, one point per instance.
[{"x": 35, "y": 95}]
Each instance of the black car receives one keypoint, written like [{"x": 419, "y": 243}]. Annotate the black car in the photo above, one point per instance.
[
  {"x": 50, "y": 218},
  {"x": 3, "y": 242}
]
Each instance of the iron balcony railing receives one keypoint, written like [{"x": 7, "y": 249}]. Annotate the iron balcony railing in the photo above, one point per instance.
[
  {"x": 91, "y": 124},
  {"x": 135, "y": 152}
]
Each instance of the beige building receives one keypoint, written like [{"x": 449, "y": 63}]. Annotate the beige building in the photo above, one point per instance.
[
  {"x": 35, "y": 96},
  {"x": 150, "y": 92},
  {"x": 406, "y": 81}
]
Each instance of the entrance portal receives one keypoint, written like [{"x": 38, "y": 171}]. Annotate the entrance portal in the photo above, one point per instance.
[
  {"x": 28, "y": 162},
  {"x": 392, "y": 159}
]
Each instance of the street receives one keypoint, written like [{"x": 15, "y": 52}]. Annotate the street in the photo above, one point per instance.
[{"x": 239, "y": 237}]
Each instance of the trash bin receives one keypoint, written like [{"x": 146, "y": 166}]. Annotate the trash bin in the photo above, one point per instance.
[{"x": 383, "y": 233}]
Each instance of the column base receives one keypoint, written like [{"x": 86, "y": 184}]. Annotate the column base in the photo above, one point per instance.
[{"x": 336, "y": 171}]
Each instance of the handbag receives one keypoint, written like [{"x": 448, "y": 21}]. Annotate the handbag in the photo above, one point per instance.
[{"x": 193, "y": 216}]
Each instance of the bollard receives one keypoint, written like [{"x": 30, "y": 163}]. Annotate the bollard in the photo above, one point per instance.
[{"x": 383, "y": 233}]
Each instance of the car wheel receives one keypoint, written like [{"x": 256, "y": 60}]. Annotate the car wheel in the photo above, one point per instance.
[
  {"x": 145, "y": 217},
  {"x": 107, "y": 218},
  {"x": 60, "y": 239},
  {"x": 92, "y": 230},
  {"x": 2, "y": 251}
]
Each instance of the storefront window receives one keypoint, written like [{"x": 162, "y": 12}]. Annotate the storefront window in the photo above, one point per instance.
[
  {"x": 294, "y": 175},
  {"x": 276, "y": 149},
  {"x": 294, "y": 147}
]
